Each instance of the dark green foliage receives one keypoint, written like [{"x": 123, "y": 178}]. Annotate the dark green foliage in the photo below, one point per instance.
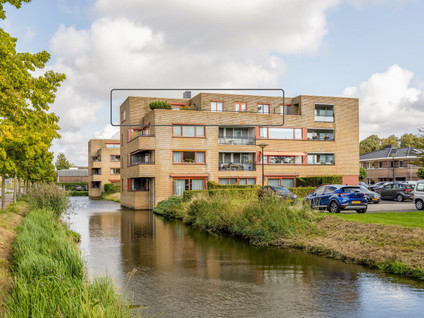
[
  {"x": 160, "y": 105},
  {"x": 214, "y": 185},
  {"x": 49, "y": 197},
  {"x": 112, "y": 188},
  {"x": 188, "y": 194},
  {"x": 62, "y": 162},
  {"x": 420, "y": 173},
  {"x": 71, "y": 185},
  {"x": 362, "y": 173},
  {"x": 317, "y": 181},
  {"x": 78, "y": 193},
  {"x": 169, "y": 206}
]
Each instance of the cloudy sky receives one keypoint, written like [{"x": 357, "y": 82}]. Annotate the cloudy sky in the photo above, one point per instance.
[{"x": 371, "y": 49}]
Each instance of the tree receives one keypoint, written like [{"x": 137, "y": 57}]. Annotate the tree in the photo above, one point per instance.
[
  {"x": 409, "y": 140},
  {"x": 391, "y": 140},
  {"x": 370, "y": 144},
  {"x": 420, "y": 147},
  {"x": 62, "y": 162},
  {"x": 362, "y": 173},
  {"x": 420, "y": 173}
]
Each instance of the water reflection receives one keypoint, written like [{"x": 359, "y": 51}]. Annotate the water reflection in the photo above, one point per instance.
[{"x": 182, "y": 272}]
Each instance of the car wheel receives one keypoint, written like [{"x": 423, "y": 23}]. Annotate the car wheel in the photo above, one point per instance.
[
  {"x": 361, "y": 211},
  {"x": 333, "y": 207},
  {"x": 419, "y": 205},
  {"x": 399, "y": 198}
]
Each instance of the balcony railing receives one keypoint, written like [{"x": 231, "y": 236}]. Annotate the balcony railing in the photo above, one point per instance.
[
  {"x": 237, "y": 166},
  {"x": 236, "y": 141}
]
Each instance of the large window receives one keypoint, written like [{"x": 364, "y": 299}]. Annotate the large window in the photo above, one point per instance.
[
  {"x": 283, "y": 159},
  {"x": 180, "y": 185},
  {"x": 141, "y": 157},
  {"x": 263, "y": 108},
  {"x": 188, "y": 131},
  {"x": 115, "y": 157},
  {"x": 240, "y": 107},
  {"x": 113, "y": 146},
  {"x": 241, "y": 181},
  {"x": 280, "y": 133},
  {"x": 285, "y": 182},
  {"x": 320, "y": 158},
  {"x": 320, "y": 134},
  {"x": 217, "y": 106},
  {"x": 194, "y": 157},
  {"x": 324, "y": 113},
  {"x": 115, "y": 171},
  {"x": 236, "y": 161},
  {"x": 138, "y": 184}
]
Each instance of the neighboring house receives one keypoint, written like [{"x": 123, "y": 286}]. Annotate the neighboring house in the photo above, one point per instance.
[
  {"x": 320, "y": 136},
  {"x": 103, "y": 164},
  {"x": 390, "y": 164},
  {"x": 73, "y": 174}
]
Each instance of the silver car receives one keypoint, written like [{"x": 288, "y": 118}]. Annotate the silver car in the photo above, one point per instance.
[{"x": 419, "y": 195}]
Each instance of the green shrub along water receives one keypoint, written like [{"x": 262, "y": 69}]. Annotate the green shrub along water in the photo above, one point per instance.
[
  {"x": 49, "y": 197},
  {"x": 262, "y": 222},
  {"x": 48, "y": 270},
  {"x": 112, "y": 188}
]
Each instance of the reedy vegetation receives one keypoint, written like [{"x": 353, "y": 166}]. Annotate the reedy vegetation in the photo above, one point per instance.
[{"x": 48, "y": 269}]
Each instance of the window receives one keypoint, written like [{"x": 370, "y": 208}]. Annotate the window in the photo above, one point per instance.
[
  {"x": 320, "y": 134},
  {"x": 380, "y": 164},
  {"x": 115, "y": 171},
  {"x": 420, "y": 186},
  {"x": 95, "y": 184},
  {"x": 392, "y": 164},
  {"x": 285, "y": 182},
  {"x": 113, "y": 145},
  {"x": 322, "y": 158},
  {"x": 138, "y": 184},
  {"x": 400, "y": 164},
  {"x": 324, "y": 113},
  {"x": 141, "y": 157},
  {"x": 194, "y": 157},
  {"x": 280, "y": 160},
  {"x": 240, "y": 107},
  {"x": 180, "y": 185},
  {"x": 115, "y": 157},
  {"x": 96, "y": 158},
  {"x": 123, "y": 115},
  {"x": 280, "y": 133},
  {"x": 217, "y": 106},
  {"x": 188, "y": 131},
  {"x": 263, "y": 108},
  {"x": 241, "y": 181}
]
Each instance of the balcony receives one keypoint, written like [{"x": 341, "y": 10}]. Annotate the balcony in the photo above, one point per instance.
[
  {"x": 143, "y": 157},
  {"x": 320, "y": 134},
  {"x": 237, "y": 161},
  {"x": 236, "y": 141},
  {"x": 236, "y": 167}
]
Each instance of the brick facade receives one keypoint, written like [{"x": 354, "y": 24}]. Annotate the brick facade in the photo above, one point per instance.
[
  {"x": 103, "y": 163},
  {"x": 160, "y": 143}
]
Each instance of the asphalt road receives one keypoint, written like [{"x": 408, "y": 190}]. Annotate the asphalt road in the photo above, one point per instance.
[{"x": 389, "y": 206}]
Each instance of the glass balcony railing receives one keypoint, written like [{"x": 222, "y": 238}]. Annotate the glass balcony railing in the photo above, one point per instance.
[
  {"x": 236, "y": 141},
  {"x": 237, "y": 166}
]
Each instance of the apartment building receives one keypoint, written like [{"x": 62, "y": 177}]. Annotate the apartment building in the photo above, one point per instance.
[
  {"x": 215, "y": 137},
  {"x": 390, "y": 164},
  {"x": 104, "y": 164}
]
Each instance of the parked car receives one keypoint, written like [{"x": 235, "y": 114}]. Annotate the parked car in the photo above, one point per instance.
[
  {"x": 337, "y": 197},
  {"x": 419, "y": 195},
  {"x": 396, "y": 191},
  {"x": 281, "y": 192},
  {"x": 372, "y": 197},
  {"x": 377, "y": 185},
  {"x": 363, "y": 184},
  {"x": 78, "y": 188}
]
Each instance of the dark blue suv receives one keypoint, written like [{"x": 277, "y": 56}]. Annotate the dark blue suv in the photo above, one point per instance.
[{"x": 337, "y": 197}]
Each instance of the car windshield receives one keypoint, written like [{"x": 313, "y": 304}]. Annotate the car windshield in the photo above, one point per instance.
[
  {"x": 350, "y": 189},
  {"x": 280, "y": 189}
]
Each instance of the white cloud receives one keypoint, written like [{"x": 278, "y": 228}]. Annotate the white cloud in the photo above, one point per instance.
[
  {"x": 388, "y": 105},
  {"x": 107, "y": 132}
]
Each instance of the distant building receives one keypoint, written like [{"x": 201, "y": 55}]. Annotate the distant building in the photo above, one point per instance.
[
  {"x": 72, "y": 175},
  {"x": 103, "y": 164},
  {"x": 390, "y": 164}
]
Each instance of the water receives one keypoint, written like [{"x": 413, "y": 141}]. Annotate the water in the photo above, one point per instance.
[{"x": 181, "y": 272}]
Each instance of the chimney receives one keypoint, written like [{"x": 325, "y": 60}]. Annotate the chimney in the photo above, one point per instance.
[{"x": 187, "y": 94}]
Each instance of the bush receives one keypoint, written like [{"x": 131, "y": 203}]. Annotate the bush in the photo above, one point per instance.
[
  {"x": 420, "y": 173},
  {"x": 78, "y": 193},
  {"x": 112, "y": 188},
  {"x": 49, "y": 197},
  {"x": 214, "y": 185},
  {"x": 316, "y": 181},
  {"x": 301, "y": 192},
  {"x": 168, "y": 207},
  {"x": 160, "y": 105}
]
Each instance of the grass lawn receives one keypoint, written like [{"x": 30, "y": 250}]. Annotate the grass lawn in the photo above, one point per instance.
[{"x": 408, "y": 219}]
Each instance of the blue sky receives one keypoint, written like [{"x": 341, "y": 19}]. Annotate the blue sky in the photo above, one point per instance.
[{"x": 367, "y": 49}]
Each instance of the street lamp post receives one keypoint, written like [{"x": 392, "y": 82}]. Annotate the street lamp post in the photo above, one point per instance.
[{"x": 262, "y": 159}]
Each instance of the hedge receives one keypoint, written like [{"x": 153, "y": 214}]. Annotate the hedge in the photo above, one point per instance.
[
  {"x": 71, "y": 185},
  {"x": 301, "y": 192},
  {"x": 235, "y": 193},
  {"x": 112, "y": 188},
  {"x": 317, "y": 181},
  {"x": 214, "y": 185},
  {"x": 78, "y": 193},
  {"x": 160, "y": 105}
]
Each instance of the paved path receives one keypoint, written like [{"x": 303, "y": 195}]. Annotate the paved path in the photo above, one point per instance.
[{"x": 389, "y": 206}]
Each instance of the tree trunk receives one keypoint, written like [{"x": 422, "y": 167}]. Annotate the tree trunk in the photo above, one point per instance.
[
  {"x": 3, "y": 191},
  {"x": 19, "y": 188},
  {"x": 15, "y": 180}
]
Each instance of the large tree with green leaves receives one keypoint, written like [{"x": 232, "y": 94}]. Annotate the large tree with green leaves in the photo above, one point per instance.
[
  {"x": 27, "y": 129},
  {"x": 391, "y": 140},
  {"x": 62, "y": 162},
  {"x": 409, "y": 140},
  {"x": 370, "y": 144}
]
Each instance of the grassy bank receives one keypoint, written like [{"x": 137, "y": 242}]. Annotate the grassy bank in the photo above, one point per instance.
[
  {"x": 115, "y": 197},
  {"x": 394, "y": 249},
  {"x": 48, "y": 270}
]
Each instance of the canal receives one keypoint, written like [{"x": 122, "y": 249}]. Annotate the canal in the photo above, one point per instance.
[{"x": 176, "y": 271}]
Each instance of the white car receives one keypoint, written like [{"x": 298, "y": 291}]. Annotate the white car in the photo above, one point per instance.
[{"x": 419, "y": 195}]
